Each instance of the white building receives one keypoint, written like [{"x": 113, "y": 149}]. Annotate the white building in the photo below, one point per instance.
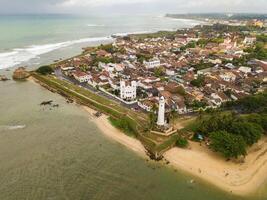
[
  {"x": 82, "y": 77},
  {"x": 161, "y": 112},
  {"x": 170, "y": 72},
  {"x": 249, "y": 40},
  {"x": 128, "y": 90},
  {"x": 245, "y": 70},
  {"x": 153, "y": 63}
]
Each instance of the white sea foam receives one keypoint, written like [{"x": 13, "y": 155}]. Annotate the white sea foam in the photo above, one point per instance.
[
  {"x": 20, "y": 55},
  {"x": 129, "y": 33},
  {"x": 96, "y": 25},
  {"x": 12, "y": 127}
]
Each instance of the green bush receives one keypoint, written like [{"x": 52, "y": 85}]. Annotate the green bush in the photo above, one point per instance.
[
  {"x": 181, "y": 142},
  {"x": 44, "y": 70}
]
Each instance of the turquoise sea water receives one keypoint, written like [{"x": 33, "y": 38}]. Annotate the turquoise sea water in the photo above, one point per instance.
[{"x": 54, "y": 154}]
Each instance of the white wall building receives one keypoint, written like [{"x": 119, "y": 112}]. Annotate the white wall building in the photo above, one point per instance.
[
  {"x": 153, "y": 63},
  {"x": 128, "y": 90},
  {"x": 82, "y": 77},
  {"x": 245, "y": 70},
  {"x": 249, "y": 40},
  {"x": 161, "y": 112}
]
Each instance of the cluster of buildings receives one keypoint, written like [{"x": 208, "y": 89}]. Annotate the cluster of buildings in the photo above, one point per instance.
[{"x": 192, "y": 69}]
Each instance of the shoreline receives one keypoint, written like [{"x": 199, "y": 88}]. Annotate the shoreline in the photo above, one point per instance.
[
  {"x": 242, "y": 179},
  {"x": 117, "y": 135}
]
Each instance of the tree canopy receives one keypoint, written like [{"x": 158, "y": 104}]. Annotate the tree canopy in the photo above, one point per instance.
[
  {"x": 231, "y": 146},
  {"x": 44, "y": 70}
]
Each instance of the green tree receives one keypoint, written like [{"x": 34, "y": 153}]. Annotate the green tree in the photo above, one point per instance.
[
  {"x": 250, "y": 132},
  {"x": 199, "y": 82},
  {"x": 44, "y": 70},
  {"x": 159, "y": 71},
  {"x": 229, "y": 145},
  {"x": 260, "y": 119},
  {"x": 181, "y": 142}
]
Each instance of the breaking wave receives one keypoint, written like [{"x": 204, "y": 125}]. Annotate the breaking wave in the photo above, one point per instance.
[
  {"x": 20, "y": 55},
  {"x": 96, "y": 25}
]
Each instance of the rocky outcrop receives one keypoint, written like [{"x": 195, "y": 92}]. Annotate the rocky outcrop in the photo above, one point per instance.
[
  {"x": 21, "y": 74},
  {"x": 3, "y": 78}
]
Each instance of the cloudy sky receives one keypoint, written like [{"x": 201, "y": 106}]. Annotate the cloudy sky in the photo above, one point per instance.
[{"x": 133, "y": 6}]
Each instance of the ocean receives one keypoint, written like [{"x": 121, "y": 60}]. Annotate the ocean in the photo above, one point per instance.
[
  {"x": 58, "y": 153},
  {"x": 29, "y": 39}
]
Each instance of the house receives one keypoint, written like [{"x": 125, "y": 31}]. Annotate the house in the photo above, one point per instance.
[
  {"x": 146, "y": 104},
  {"x": 245, "y": 70},
  {"x": 128, "y": 90},
  {"x": 152, "y": 63},
  {"x": 103, "y": 53},
  {"x": 170, "y": 72},
  {"x": 249, "y": 40},
  {"x": 82, "y": 77},
  {"x": 228, "y": 76},
  {"x": 218, "y": 98}
]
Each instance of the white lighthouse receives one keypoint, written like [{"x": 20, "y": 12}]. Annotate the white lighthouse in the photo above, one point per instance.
[{"x": 161, "y": 113}]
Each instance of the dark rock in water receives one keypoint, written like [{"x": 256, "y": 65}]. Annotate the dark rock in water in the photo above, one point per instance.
[
  {"x": 44, "y": 103},
  {"x": 98, "y": 114},
  {"x": 21, "y": 74},
  {"x": 69, "y": 101}
]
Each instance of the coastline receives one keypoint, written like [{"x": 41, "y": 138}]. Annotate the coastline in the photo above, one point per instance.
[
  {"x": 115, "y": 134},
  {"x": 240, "y": 179}
]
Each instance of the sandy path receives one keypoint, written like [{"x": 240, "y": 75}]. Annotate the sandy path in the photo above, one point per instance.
[{"x": 238, "y": 178}]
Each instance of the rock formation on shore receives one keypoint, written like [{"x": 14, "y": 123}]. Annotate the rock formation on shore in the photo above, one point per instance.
[
  {"x": 3, "y": 78},
  {"x": 21, "y": 74}
]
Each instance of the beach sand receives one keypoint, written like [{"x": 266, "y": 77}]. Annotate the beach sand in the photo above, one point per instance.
[
  {"x": 110, "y": 131},
  {"x": 240, "y": 178}
]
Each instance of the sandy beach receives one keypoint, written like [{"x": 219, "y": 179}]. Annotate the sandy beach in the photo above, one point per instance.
[
  {"x": 107, "y": 129},
  {"x": 238, "y": 178}
]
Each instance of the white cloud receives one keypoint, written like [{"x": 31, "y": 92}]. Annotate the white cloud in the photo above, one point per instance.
[
  {"x": 80, "y": 3},
  {"x": 163, "y": 6}
]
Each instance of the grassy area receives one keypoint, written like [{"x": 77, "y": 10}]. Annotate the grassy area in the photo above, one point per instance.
[
  {"x": 125, "y": 125},
  {"x": 154, "y": 35}
]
